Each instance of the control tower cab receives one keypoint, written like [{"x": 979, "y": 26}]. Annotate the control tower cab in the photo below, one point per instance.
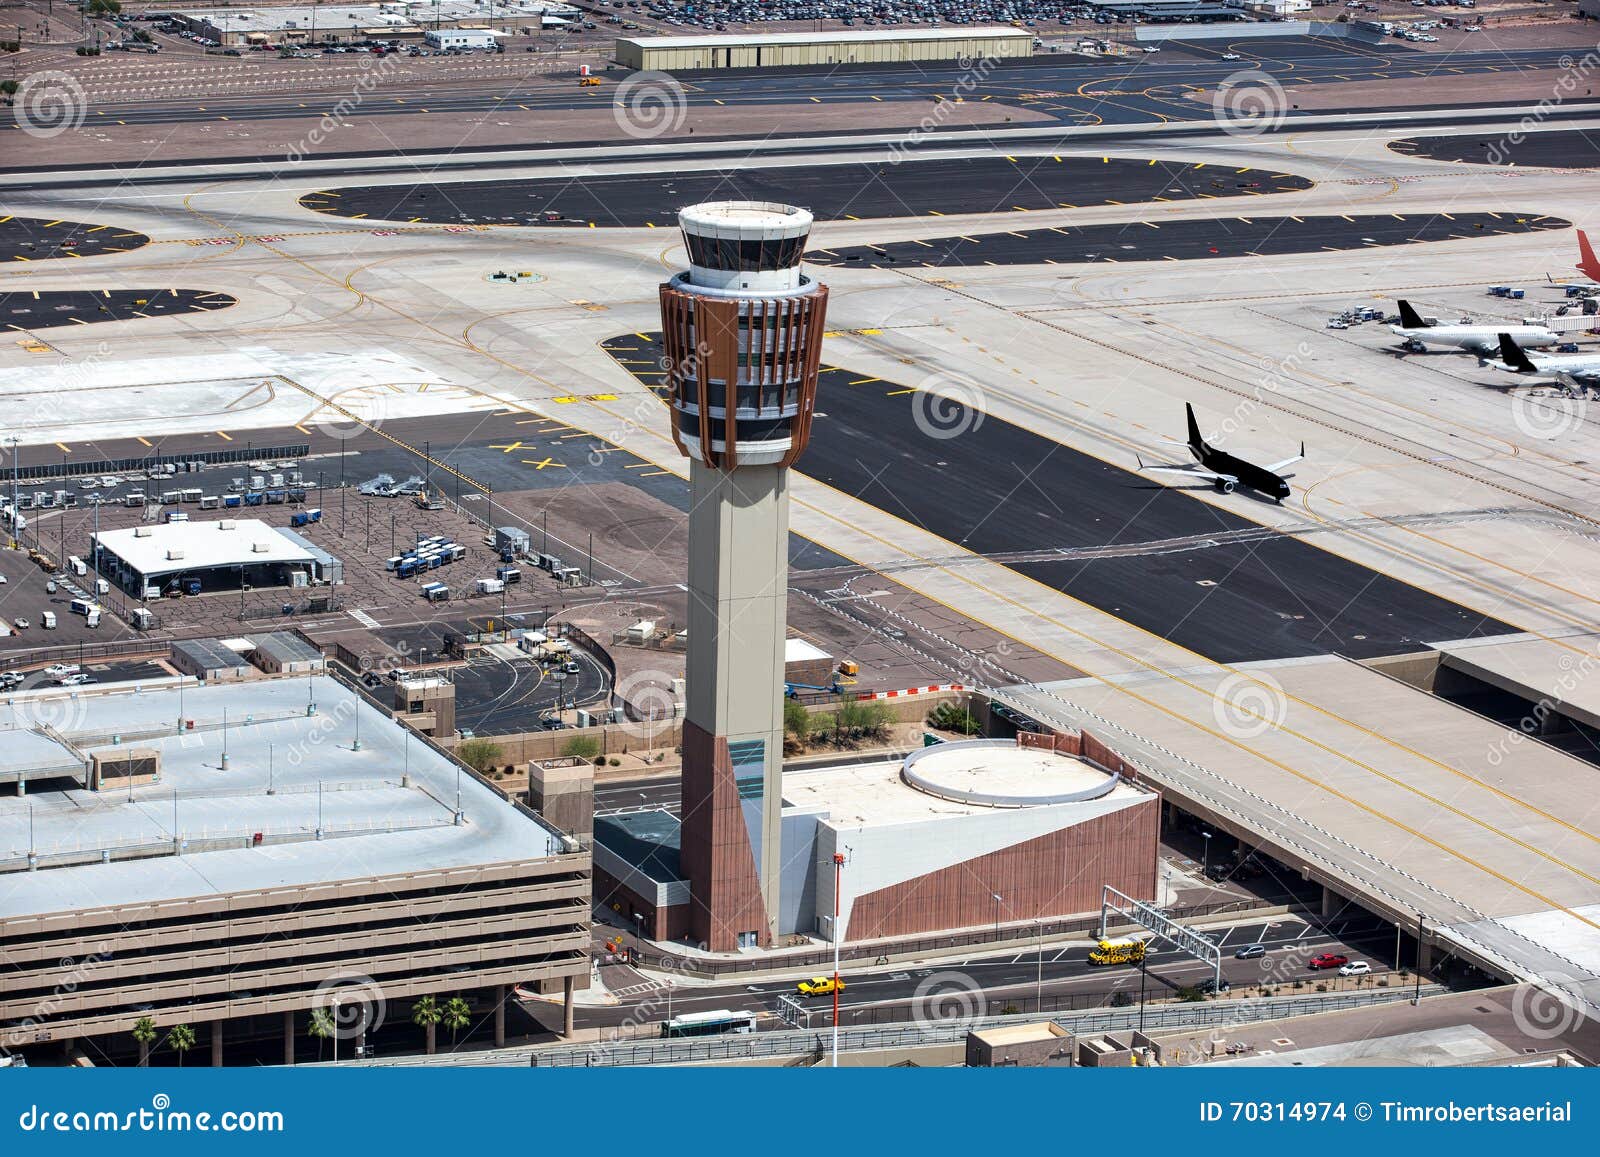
[{"x": 743, "y": 335}]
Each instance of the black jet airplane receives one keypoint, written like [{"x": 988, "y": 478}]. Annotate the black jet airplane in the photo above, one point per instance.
[{"x": 1225, "y": 471}]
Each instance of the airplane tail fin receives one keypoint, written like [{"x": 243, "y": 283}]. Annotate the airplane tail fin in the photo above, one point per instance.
[
  {"x": 1511, "y": 353},
  {"x": 1588, "y": 263},
  {"x": 1196, "y": 442},
  {"x": 1410, "y": 318}
]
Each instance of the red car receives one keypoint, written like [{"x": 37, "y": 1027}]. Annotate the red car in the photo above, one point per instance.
[{"x": 1327, "y": 960}]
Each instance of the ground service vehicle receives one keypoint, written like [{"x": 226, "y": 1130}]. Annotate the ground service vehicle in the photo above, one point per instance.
[{"x": 1117, "y": 952}]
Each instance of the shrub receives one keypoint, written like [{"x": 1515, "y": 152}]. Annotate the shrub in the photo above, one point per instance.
[
  {"x": 581, "y": 747},
  {"x": 478, "y": 754},
  {"x": 953, "y": 717},
  {"x": 614, "y": 761}
]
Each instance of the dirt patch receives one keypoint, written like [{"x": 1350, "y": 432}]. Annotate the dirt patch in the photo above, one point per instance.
[{"x": 635, "y": 534}]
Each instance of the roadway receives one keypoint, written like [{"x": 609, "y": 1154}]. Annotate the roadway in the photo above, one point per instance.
[
  {"x": 944, "y": 185},
  {"x": 1061, "y": 974},
  {"x": 1185, "y": 240},
  {"x": 1191, "y": 572}
]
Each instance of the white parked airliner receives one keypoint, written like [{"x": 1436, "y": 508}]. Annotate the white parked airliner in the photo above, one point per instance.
[{"x": 1479, "y": 339}]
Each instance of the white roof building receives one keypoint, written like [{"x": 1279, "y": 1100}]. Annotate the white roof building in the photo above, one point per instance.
[{"x": 140, "y": 555}]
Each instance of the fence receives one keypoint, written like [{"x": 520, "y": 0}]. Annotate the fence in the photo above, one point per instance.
[
  {"x": 78, "y": 468},
  {"x": 126, "y": 649},
  {"x": 799, "y": 1042},
  {"x": 884, "y": 951},
  {"x": 793, "y": 1043}
]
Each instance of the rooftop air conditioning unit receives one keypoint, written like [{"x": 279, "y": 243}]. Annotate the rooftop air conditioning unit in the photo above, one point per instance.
[
  {"x": 227, "y": 524},
  {"x": 259, "y": 547},
  {"x": 141, "y": 532},
  {"x": 174, "y": 555}
]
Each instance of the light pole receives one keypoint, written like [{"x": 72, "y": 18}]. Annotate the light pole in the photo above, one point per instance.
[
  {"x": 1038, "y": 984},
  {"x": 995, "y": 896},
  {"x": 1416, "y": 990},
  {"x": 1205, "y": 856},
  {"x": 1144, "y": 956},
  {"x": 838, "y": 875}
]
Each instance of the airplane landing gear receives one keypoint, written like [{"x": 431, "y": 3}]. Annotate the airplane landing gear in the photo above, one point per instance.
[{"x": 1224, "y": 486}]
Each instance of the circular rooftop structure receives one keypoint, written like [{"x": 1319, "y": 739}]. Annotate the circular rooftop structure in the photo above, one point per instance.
[
  {"x": 745, "y": 219},
  {"x": 1001, "y": 773}
]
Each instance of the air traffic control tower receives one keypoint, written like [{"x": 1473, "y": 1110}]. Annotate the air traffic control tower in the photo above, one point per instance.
[{"x": 743, "y": 336}]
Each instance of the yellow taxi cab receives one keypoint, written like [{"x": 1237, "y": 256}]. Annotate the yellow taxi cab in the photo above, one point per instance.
[{"x": 818, "y": 986}]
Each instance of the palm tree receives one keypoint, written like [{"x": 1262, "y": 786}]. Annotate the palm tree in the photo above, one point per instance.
[
  {"x": 456, "y": 1017},
  {"x": 144, "y": 1032},
  {"x": 321, "y": 1027},
  {"x": 427, "y": 1014},
  {"x": 181, "y": 1038}
]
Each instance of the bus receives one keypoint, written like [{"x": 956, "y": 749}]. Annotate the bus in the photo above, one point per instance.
[
  {"x": 719, "y": 1022},
  {"x": 1117, "y": 952}
]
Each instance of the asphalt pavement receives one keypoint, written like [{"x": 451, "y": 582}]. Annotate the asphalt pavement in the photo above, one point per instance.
[
  {"x": 1184, "y": 240},
  {"x": 1071, "y": 89},
  {"x": 1061, "y": 974},
  {"x": 1554, "y": 149},
  {"x": 1200, "y": 575},
  {"x": 39, "y": 239},
  {"x": 913, "y": 187},
  {"x": 44, "y": 309}
]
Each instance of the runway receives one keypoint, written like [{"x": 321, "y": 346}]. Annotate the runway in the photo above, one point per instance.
[
  {"x": 1185, "y": 240},
  {"x": 1556, "y": 149},
  {"x": 1067, "y": 88},
  {"x": 1214, "y": 583},
  {"x": 914, "y": 187}
]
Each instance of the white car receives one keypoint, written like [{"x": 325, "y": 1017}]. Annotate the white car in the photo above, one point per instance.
[
  {"x": 1335, "y": 323},
  {"x": 56, "y": 670},
  {"x": 1231, "y": 56},
  {"x": 1355, "y": 968}
]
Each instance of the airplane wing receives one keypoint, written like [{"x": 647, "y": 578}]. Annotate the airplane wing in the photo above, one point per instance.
[
  {"x": 1277, "y": 466},
  {"x": 1191, "y": 472}
]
